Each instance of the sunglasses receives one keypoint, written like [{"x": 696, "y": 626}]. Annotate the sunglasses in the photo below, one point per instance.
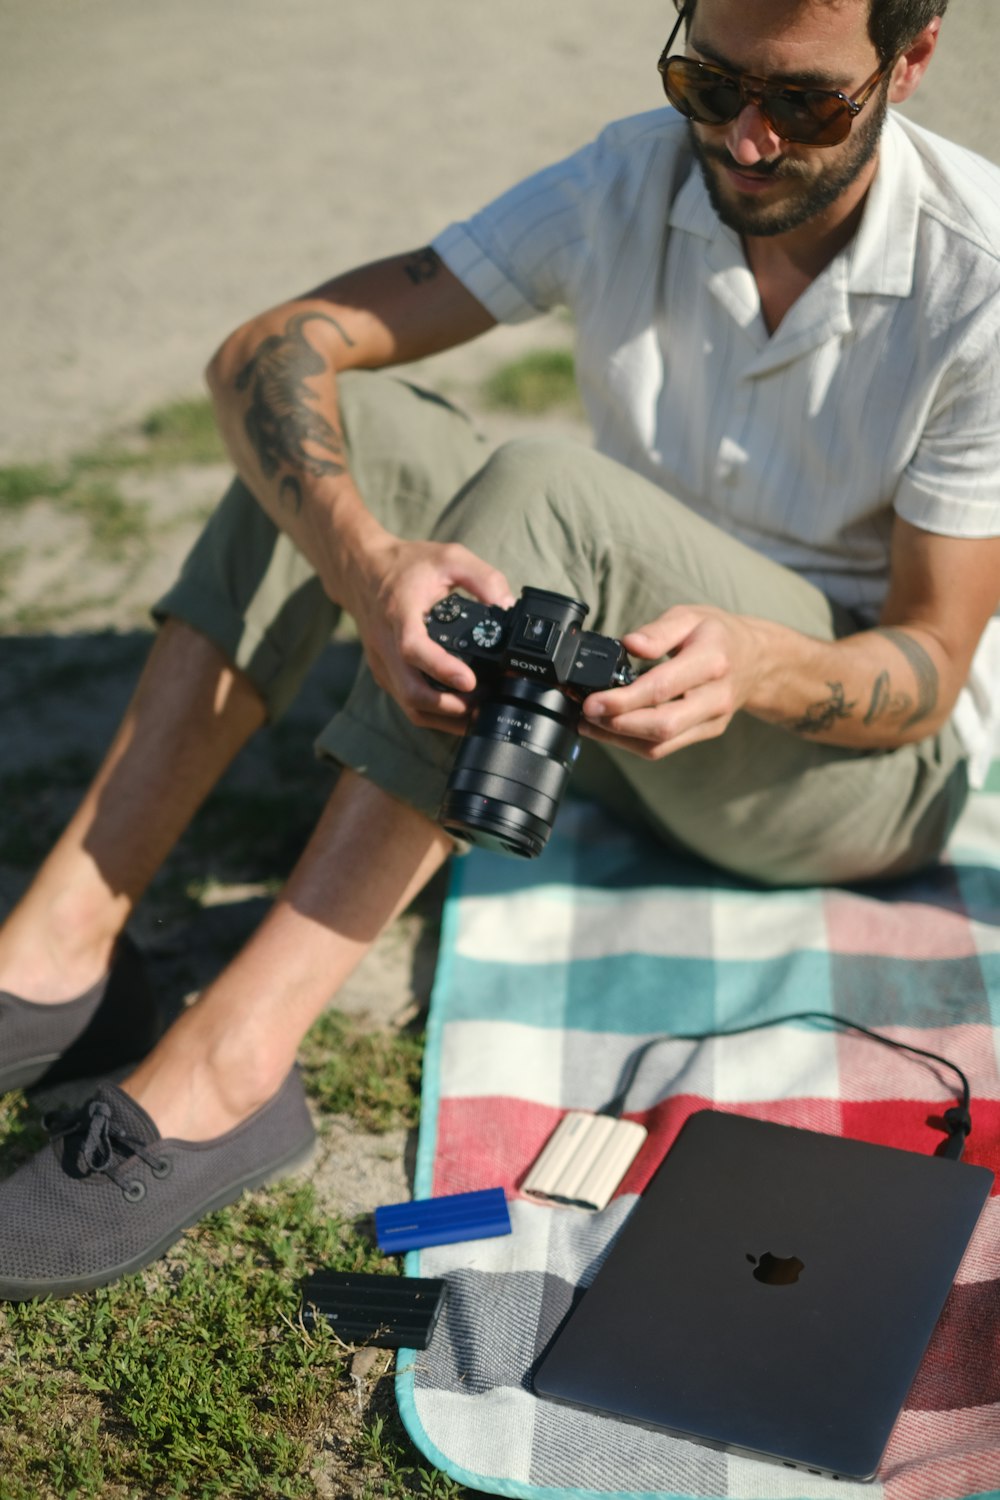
[{"x": 714, "y": 96}]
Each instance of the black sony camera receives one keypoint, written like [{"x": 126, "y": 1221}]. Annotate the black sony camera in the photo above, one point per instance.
[{"x": 534, "y": 666}]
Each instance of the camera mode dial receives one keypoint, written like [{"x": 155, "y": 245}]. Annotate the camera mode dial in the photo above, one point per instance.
[{"x": 487, "y": 632}]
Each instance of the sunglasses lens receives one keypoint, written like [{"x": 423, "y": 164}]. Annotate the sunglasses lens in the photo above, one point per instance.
[
  {"x": 809, "y": 117},
  {"x": 707, "y": 97}
]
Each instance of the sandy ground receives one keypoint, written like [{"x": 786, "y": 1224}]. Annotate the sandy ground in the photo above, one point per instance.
[{"x": 167, "y": 170}]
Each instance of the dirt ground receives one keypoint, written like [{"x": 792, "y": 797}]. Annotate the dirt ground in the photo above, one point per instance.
[{"x": 169, "y": 169}]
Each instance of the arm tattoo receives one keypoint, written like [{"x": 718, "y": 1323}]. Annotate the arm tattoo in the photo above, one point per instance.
[
  {"x": 885, "y": 703},
  {"x": 923, "y": 669},
  {"x": 283, "y": 426},
  {"x": 423, "y": 265},
  {"x": 819, "y": 717}
]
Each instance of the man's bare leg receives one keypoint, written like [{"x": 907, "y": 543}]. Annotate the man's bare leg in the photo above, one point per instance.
[
  {"x": 228, "y": 1054},
  {"x": 190, "y": 714}
]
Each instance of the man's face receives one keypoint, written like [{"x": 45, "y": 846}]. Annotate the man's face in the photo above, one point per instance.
[{"x": 758, "y": 183}]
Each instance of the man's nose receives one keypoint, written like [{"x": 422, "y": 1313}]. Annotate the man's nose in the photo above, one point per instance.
[{"x": 750, "y": 138}]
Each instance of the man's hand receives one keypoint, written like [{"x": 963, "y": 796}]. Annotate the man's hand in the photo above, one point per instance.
[
  {"x": 389, "y": 597},
  {"x": 874, "y": 690},
  {"x": 710, "y": 673}
]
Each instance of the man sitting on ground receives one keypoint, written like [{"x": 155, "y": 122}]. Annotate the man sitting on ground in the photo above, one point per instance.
[{"x": 788, "y": 322}]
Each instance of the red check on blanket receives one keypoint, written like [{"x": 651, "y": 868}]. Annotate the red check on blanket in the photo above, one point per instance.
[{"x": 551, "y": 974}]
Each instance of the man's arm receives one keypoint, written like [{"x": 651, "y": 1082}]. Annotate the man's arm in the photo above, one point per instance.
[
  {"x": 874, "y": 690},
  {"x": 274, "y": 386}
]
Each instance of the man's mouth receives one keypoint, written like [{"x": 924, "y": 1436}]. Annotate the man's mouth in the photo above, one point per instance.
[
  {"x": 748, "y": 181},
  {"x": 755, "y": 179}
]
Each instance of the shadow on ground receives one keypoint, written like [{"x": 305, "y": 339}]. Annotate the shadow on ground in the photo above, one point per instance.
[
  {"x": 60, "y": 700},
  {"x": 61, "y": 697}
]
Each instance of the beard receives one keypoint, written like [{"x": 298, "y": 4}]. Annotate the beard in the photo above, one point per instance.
[{"x": 817, "y": 191}]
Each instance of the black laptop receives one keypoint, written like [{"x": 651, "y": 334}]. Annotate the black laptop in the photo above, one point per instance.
[{"x": 771, "y": 1294}]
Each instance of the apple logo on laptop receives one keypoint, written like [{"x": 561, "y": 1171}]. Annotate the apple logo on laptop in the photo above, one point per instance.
[{"x": 776, "y": 1270}]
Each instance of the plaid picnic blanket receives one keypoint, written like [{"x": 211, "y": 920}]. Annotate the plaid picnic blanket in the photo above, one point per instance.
[{"x": 552, "y": 972}]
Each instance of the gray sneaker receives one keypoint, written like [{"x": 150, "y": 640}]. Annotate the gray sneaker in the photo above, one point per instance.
[
  {"x": 111, "y": 1025},
  {"x": 108, "y": 1195}
]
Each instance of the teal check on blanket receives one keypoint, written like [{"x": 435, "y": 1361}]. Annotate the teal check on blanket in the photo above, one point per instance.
[{"x": 551, "y": 973}]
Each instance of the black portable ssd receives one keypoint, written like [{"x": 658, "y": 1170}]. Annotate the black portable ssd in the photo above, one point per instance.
[{"x": 363, "y": 1307}]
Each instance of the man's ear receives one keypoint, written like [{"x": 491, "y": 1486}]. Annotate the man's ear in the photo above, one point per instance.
[{"x": 911, "y": 65}]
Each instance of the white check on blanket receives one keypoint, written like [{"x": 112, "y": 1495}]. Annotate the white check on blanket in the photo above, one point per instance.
[{"x": 551, "y": 973}]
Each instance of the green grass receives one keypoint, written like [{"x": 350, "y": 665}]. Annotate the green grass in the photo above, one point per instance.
[
  {"x": 39, "y": 616},
  {"x": 374, "y": 1076},
  {"x": 21, "y": 1132},
  {"x": 89, "y": 484},
  {"x": 538, "y": 382},
  {"x": 383, "y": 1442},
  {"x": 173, "y": 435},
  {"x": 184, "y": 432},
  {"x": 197, "y": 1377},
  {"x": 193, "y": 1378},
  {"x": 22, "y": 483},
  {"x": 113, "y": 521}
]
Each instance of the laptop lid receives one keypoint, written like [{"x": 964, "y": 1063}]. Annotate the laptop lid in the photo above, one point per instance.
[{"x": 772, "y": 1293}]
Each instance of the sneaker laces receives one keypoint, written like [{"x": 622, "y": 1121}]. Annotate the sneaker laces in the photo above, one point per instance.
[{"x": 105, "y": 1147}]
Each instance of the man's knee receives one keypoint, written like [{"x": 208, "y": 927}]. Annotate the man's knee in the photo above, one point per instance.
[
  {"x": 531, "y": 469},
  {"x": 571, "y": 492},
  {"x": 530, "y": 510}
]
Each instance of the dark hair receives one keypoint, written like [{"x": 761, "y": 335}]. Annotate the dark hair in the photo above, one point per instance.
[{"x": 892, "y": 24}]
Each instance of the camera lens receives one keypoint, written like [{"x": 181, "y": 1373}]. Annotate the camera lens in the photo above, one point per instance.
[{"x": 512, "y": 768}]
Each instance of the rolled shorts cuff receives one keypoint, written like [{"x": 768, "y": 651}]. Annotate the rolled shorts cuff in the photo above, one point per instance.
[
  {"x": 354, "y": 741},
  {"x": 246, "y": 647}
]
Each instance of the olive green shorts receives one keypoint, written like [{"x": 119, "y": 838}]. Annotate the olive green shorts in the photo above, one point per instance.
[{"x": 758, "y": 800}]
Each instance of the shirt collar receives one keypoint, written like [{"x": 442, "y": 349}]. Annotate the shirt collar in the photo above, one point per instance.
[
  {"x": 881, "y": 256},
  {"x": 883, "y": 252}
]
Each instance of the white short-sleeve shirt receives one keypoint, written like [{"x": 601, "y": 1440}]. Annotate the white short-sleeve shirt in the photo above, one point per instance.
[{"x": 878, "y": 393}]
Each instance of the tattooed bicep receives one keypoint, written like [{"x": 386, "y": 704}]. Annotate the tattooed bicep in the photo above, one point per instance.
[{"x": 422, "y": 265}]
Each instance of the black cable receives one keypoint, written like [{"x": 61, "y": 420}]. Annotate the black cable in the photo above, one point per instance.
[{"x": 957, "y": 1120}]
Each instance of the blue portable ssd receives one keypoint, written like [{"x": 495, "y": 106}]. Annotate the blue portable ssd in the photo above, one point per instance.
[{"x": 442, "y": 1221}]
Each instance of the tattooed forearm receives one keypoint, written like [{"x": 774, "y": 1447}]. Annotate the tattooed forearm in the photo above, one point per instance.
[
  {"x": 821, "y": 717},
  {"x": 423, "y": 265},
  {"x": 290, "y": 495},
  {"x": 283, "y": 426},
  {"x": 886, "y": 704},
  {"x": 923, "y": 669}
]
